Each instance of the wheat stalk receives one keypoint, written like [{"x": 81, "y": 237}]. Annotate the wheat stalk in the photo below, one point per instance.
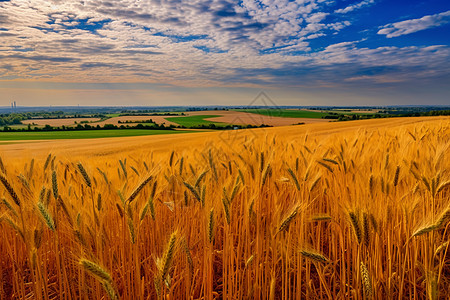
[
  {"x": 272, "y": 288},
  {"x": 235, "y": 191},
  {"x": 356, "y": 227},
  {"x": 119, "y": 209},
  {"x": 294, "y": 178},
  {"x": 396, "y": 175},
  {"x": 37, "y": 238},
  {"x": 104, "y": 175},
  {"x": 442, "y": 247},
  {"x": 249, "y": 261},
  {"x": 200, "y": 177},
  {"x": 143, "y": 212},
  {"x": 443, "y": 219},
  {"x": 13, "y": 225},
  {"x": 171, "y": 158},
  {"x": 95, "y": 270},
  {"x": 365, "y": 223},
  {"x": 55, "y": 184},
  {"x": 135, "y": 170},
  {"x": 211, "y": 225},
  {"x": 193, "y": 191},
  {"x": 261, "y": 165},
  {"x": 79, "y": 237},
  {"x": 226, "y": 209},
  {"x": 443, "y": 186},
  {"x": 157, "y": 282},
  {"x": 109, "y": 290},
  {"x": 314, "y": 184},
  {"x": 266, "y": 173},
  {"x": 321, "y": 217},
  {"x": 424, "y": 229},
  {"x": 287, "y": 220},
  {"x": 315, "y": 256},
  {"x": 25, "y": 183},
  {"x": 9, "y": 207},
  {"x": 131, "y": 230},
  {"x": 60, "y": 203},
  {"x": 329, "y": 168},
  {"x": 99, "y": 202},
  {"x": 139, "y": 188},
  {"x": 46, "y": 216},
  {"x": 367, "y": 283},
  {"x": 168, "y": 255},
  {"x": 124, "y": 168},
  {"x": 10, "y": 190},
  {"x": 374, "y": 222},
  {"x": 85, "y": 175},
  {"x": 2, "y": 166},
  {"x": 188, "y": 256},
  {"x": 330, "y": 160},
  {"x": 371, "y": 185}
]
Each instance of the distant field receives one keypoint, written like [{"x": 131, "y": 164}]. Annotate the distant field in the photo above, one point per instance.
[
  {"x": 252, "y": 118},
  {"x": 59, "y": 122},
  {"x": 196, "y": 120},
  {"x": 113, "y": 115},
  {"x": 354, "y": 112},
  {"x": 358, "y": 111},
  {"x": 83, "y": 134},
  {"x": 286, "y": 113},
  {"x": 122, "y": 119}
]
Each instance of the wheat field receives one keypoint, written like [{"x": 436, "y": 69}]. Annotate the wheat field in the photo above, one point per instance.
[{"x": 352, "y": 210}]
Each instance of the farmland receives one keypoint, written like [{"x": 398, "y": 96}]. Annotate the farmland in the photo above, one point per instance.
[
  {"x": 82, "y": 134},
  {"x": 195, "y": 120},
  {"x": 341, "y": 210},
  {"x": 219, "y": 118},
  {"x": 287, "y": 113},
  {"x": 252, "y": 118},
  {"x": 59, "y": 122},
  {"x": 122, "y": 119}
]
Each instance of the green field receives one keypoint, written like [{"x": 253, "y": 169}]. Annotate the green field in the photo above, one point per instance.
[
  {"x": 82, "y": 134},
  {"x": 286, "y": 113},
  {"x": 199, "y": 120},
  {"x": 113, "y": 115}
]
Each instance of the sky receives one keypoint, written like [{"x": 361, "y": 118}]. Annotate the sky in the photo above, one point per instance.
[{"x": 221, "y": 52}]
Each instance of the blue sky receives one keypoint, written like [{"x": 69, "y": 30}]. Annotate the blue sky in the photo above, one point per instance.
[{"x": 307, "y": 52}]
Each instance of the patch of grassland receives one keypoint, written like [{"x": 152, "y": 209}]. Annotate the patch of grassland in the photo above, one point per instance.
[{"x": 190, "y": 121}]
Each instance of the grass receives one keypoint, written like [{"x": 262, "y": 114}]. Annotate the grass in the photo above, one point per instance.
[
  {"x": 82, "y": 134},
  {"x": 199, "y": 120},
  {"x": 286, "y": 113}
]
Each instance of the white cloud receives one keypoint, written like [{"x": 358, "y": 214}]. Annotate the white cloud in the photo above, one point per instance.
[
  {"x": 195, "y": 43},
  {"x": 414, "y": 25},
  {"x": 170, "y": 41},
  {"x": 356, "y": 6}
]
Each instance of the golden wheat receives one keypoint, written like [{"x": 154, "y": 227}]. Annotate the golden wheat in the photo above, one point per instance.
[{"x": 370, "y": 200}]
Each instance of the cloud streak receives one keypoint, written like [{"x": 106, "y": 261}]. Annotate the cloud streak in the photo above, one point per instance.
[
  {"x": 356, "y": 6},
  {"x": 414, "y": 25}
]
